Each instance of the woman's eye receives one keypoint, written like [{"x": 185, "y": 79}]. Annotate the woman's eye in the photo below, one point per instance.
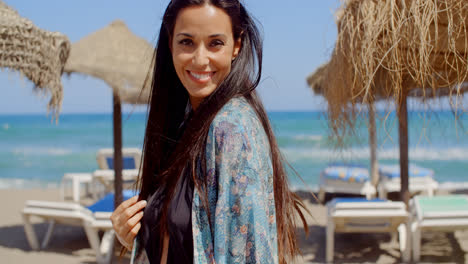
[
  {"x": 186, "y": 42},
  {"x": 216, "y": 43}
]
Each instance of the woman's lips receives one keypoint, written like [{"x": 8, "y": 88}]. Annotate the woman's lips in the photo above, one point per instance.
[{"x": 200, "y": 77}]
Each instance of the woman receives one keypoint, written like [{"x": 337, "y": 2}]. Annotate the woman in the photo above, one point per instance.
[{"x": 212, "y": 173}]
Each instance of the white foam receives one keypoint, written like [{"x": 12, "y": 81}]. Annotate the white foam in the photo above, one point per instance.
[
  {"x": 418, "y": 154},
  {"x": 6, "y": 126},
  {"x": 308, "y": 137},
  {"x": 27, "y": 151}
]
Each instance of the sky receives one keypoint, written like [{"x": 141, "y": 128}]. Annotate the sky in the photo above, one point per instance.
[{"x": 298, "y": 37}]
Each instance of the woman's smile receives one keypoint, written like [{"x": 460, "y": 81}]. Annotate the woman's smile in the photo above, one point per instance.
[{"x": 200, "y": 77}]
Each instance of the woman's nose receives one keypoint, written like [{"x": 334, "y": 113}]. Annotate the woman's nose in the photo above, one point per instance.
[{"x": 201, "y": 56}]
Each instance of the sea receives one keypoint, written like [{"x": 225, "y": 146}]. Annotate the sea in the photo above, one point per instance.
[{"x": 35, "y": 151}]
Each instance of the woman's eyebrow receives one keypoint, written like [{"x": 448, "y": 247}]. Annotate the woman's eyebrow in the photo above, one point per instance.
[
  {"x": 184, "y": 34},
  {"x": 217, "y": 35}
]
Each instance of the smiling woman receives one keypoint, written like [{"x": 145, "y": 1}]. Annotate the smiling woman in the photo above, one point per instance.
[
  {"x": 203, "y": 48},
  {"x": 213, "y": 188}
]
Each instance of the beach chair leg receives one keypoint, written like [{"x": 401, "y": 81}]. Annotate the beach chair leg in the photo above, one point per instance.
[
  {"x": 404, "y": 240},
  {"x": 76, "y": 189},
  {"x": 48, "y": 234},
  {"x": 368, "y": 196},
  {"x": 430, "y": 192},
  {"x": 93, "y": 239},
  {"x": 321, "y": 195},
  {"x": 102, "y": 249},
  {"x": 107, "y": 246},
  {"x": 416, "y": 236},
  {"x": 330, "y": 244},
  {"x": 382, "y": 193},
  {"x": 30, "y": 234}
]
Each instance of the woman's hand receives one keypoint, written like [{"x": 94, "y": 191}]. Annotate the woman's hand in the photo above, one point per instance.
[{"x": 126, "y": 220}]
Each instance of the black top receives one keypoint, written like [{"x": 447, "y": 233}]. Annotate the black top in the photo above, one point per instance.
[
  {"x": 179, "y": 218},
  {"x": 179, "y": 225}
]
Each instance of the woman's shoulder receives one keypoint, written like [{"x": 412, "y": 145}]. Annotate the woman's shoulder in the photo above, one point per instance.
[
  {"x": 237, "y": 113},
  {"x": 238, "y": 123}
]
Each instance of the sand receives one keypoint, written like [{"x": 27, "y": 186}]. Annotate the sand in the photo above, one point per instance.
[{"x": 69, "y": 244}]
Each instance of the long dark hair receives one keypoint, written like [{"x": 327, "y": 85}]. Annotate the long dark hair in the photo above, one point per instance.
[{"x": 166, "y": 154}]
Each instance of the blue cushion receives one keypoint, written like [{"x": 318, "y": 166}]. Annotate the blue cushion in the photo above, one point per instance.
[
  {"x": 106, "y": 203},
  {"x": 393, "y": 171},
  {"x": 346, "y": 172},
  {"x": 128, "y": 163}
]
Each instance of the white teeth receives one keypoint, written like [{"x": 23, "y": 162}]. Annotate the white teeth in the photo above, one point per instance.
[{"x": 201, "y": 76}]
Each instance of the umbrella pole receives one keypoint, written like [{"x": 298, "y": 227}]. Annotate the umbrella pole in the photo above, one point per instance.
[
  {"x": 403, "y": 136},
  {"x": 117, "y": 116},
  {"x": 373, "y": 145}
]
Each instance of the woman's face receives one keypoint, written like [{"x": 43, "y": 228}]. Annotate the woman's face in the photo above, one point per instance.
[{"x": 203, "y": 48}]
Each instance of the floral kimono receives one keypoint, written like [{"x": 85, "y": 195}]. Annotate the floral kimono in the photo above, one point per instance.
[{"x": 242, "y": 223}]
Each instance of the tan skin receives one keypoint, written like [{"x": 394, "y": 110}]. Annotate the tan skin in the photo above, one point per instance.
[{"x": 203, "y": 48}]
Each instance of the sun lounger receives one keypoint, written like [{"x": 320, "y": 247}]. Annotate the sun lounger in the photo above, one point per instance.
[
  {"x": 359, "y": 215},
  {"x": 345, "y": 178},
  {"x": 106, "y": 177},
  {"x": 93, "y": 219},
  {"x": 77, "y": 180},
  {"x": 105, "y": 174},
  {"x": 131, "y": 158},
  {"x": 438, "y": 213},
  {"x": 420, "y": 180}
]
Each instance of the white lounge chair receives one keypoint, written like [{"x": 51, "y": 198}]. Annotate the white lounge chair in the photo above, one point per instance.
[
  {"x": 93, "y": 219},
  {"x": 359, "y": 215},
  {"x": 105, "y": 159},
  {"x": 131, "y": 158},
  {"x": 438, "y": 213},
  {"x": 106, "y": 178},
  {"x": 76, "y": 180},
  {"x": 346, "y": 178},
  {"x": 420, "y": 180}
]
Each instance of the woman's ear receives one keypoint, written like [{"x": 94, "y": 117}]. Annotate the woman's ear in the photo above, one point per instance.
[{"x": 237, "y": 46}]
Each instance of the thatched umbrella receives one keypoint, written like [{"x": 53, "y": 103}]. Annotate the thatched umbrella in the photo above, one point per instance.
[
  {"x": 316, "y": 81},
  {"x": 123, "y": 60},
  {"x": 37, "y": 54},
  {"x": 394, "y": 49}
]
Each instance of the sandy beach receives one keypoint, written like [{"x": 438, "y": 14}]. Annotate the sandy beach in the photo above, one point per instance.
[{"x": 69, "y": 244}]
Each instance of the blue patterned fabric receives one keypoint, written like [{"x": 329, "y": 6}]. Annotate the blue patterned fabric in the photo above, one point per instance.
[
  {"x": 241, "y": 225},
  {"x": 345, "y": 172},
  {"x": 393, "y": 171}
]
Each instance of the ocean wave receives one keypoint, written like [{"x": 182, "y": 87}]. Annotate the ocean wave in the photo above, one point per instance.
[
  {"x": 419, "y": 154},
  {"x": 26, "y": 184},
  {"x": 6, "y": 126},
  {"x": 305, "y": 137},
  {"x": 27, "y": 151}
]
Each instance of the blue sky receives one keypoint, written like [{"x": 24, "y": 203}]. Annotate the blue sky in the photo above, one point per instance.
[{"x": 298, "y": 37}]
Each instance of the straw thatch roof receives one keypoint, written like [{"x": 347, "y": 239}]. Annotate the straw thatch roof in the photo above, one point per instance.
[
  {"x": 117, "y": 56},
  {"x": 316, "y": 78},
  {"x": 37, "y": 54},
  {"x": 396, "y": 48}
]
